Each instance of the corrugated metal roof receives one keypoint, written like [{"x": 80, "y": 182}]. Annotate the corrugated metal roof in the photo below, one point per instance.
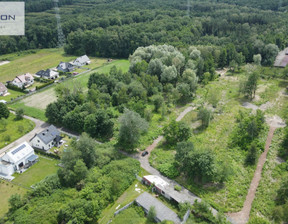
[{"x": 146, "y": 201}]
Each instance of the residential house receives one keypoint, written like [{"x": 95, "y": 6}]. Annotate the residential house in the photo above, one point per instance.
[
  {"x": 22, "y": 156},
  {"x": 3, "y": 89},
  {"x": 146, "y": 201},
  {"x": 23, "y": 80},
  {"x": 83, "y": 60},
  {"x": 46, "y": 139},
  {"x": 65, "y": 67},
  {"x": 48, "y": 74}
]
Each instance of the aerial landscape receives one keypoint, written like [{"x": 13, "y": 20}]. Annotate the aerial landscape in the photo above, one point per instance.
[{"x": 142, "y": 112}]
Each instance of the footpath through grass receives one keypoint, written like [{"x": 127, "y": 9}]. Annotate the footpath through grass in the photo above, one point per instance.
[
  {"x": 6, "y": 191},
  {"x": 11, "y": 129}
]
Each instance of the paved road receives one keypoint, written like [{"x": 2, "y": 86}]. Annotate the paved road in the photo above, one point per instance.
[{"x": 39, "y": 126}]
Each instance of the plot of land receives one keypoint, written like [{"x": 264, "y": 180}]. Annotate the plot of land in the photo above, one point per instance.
[
  {"x": 41, "y": 99},
  {"x": 6, "y": 190},
  {"x": 37, "y": 172},
  {"x": 10, "y": 129}
]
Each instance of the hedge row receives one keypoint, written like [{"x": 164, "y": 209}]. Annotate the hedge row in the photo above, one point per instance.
[
  {"x": 51, "y": 155},
  {"x": 44, "y": 85}
]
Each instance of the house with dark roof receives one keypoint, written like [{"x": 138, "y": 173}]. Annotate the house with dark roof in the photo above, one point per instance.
[
  {"x": 16, "y": 159},
  {"x": 46, "y": 139},
  {"x": 81, "y": 61},
  {"x": 48, "y": 74},
  {"x": 3, "y": 89},
  {"x": 65, "y": 67},
  {"x": 146, "y": 201}
]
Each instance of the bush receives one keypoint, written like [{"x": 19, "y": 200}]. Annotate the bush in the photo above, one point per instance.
[
  {"x": 10, "y": 86},
  {"x": 168, "y": 170},
  {"x": 51, "y": 155},
  {"x": 44, "y": 85},
  {"x": 177, "y": 188}
]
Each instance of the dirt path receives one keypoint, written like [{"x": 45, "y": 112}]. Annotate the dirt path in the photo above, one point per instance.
[
  {"x": 4, "y": 62},
  {"x": 242, "y": 217}
]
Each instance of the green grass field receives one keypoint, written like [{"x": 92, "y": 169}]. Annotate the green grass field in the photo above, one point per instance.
[
  {"x": 6, "y": 190},
  {"x": 37, "y": 172},
  {"x": 11, "y": 130},
  {"x": 35, "y": 104}
]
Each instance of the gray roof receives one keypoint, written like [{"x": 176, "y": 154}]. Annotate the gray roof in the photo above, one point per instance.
[
  {"x": 82, "y": 59},
  {"x": 65, "y": 66},
  {"x": 49, "y": 134},
  {"x": 146, "y": 200},
  {"x": 48, "y": 73}
]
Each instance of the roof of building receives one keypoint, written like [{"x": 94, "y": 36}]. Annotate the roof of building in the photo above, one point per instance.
[
  {"x": 2, "y": 87},
  {"x": 47, "y": 73},
  {"x": 82, "y": 59},
  {"x": 157, "y": 181},
  {"x": 3, "y": 101},
  {"x": 18, "y": 152},
  {"x": 49, "y": 134},
  {"x": 65, "y": 65},
  {"x": 146, "y": 201},
  {"x": 23, "y": 78}
]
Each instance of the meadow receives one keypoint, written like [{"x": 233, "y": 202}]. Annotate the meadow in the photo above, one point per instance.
[{"x": 11, "y": 129}]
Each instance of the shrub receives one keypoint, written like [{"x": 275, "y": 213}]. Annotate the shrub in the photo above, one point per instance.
[{"x": 177, "y": 188}]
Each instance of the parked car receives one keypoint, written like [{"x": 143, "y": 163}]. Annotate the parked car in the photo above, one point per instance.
[
  {"x": 75, "y": 73},
  {"x": 144, "y": 153}
]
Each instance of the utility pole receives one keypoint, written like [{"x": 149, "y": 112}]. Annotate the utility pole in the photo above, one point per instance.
[{"x": 61, "y": 37}]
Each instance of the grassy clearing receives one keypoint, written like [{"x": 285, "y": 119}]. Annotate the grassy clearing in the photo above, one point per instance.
[
  {"x": 130, "y": 216},
  {"x": 30, "y": 111},
  {"x": 6, "y": 190},
  {"x": 273, "y": 173},
  {"x": 37, "y": 172},
  {"x": 11, "y": 129}
]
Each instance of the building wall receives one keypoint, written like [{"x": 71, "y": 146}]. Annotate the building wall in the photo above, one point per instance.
[
  {"x": 39, "y": 144},
  {"x": 7, "y": 170}
]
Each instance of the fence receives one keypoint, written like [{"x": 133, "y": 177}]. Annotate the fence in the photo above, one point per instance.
[
  {"x": 122, "y": 209},
  {"x": 186, "y": 216}
]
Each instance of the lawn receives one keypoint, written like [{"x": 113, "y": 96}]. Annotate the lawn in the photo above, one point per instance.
[
  {"x": 131, "y": 216},
  {"x": 37, "y": 172},
  {"x": 13, "y": 94},
  {"x": 6, "y": 190},
  {"x": 11, "y": 129},
  {"x": 36, "y": 104}
]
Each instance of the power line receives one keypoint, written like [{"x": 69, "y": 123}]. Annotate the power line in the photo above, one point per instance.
[{"x": 61, "y": 37}]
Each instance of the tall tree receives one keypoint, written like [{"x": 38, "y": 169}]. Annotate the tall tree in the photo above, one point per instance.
[{"x": 4, "y": 111}]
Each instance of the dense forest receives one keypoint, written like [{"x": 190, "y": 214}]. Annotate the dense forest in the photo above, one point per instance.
[{"x": 118, "y": 28}]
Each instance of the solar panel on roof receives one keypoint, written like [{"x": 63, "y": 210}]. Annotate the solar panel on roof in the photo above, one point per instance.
[{"x": 18, "y": 149}]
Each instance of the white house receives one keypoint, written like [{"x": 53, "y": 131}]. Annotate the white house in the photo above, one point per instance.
[
  {"x": 83, "y": 60},
  {"x": 3, "y": 89},
  {"x": 48, "y": 74},
  {"x": 22, "y": 156},
  {"x": 46, "y": 139},
  {"x": 23, "y": 80}
]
